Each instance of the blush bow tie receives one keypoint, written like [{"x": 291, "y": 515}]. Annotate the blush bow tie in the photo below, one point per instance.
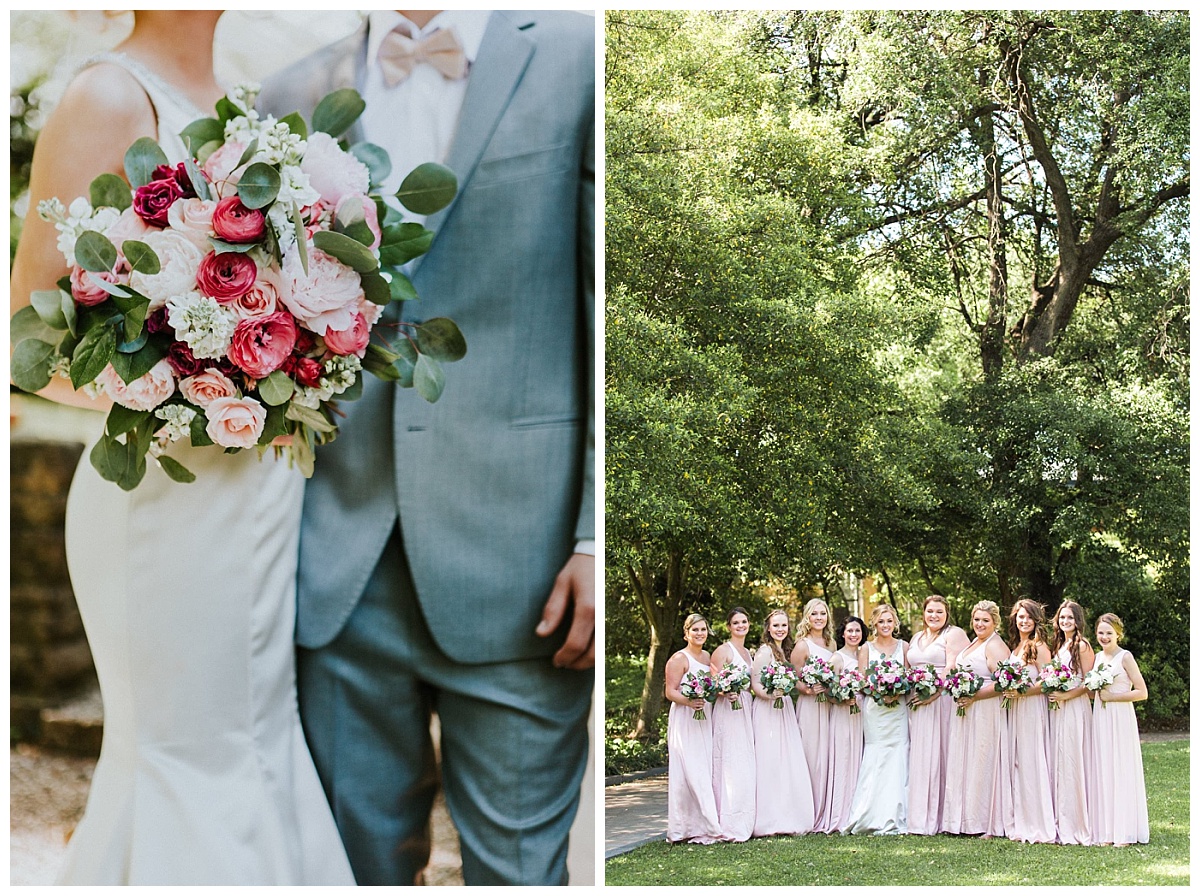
[{"x": 399, "y": 54}]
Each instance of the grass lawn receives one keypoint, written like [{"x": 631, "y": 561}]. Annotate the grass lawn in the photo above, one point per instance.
[{"x": 821, "y": 859}]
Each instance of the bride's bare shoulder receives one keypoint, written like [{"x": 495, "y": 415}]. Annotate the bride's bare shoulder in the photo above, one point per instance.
[{"x": 103, "y": 104}]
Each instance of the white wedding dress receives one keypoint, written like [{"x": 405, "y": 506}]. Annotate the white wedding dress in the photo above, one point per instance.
[
  {"x": 881, "y": 796},
  {"x": 187, "y": 593}
]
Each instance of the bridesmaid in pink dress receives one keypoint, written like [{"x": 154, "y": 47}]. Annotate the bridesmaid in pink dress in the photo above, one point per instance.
[
  {"x": 929, "y": 722},
  {"x": 977, "y": 757},
  {"x": 1032, "y": 818},
  {"x": 691, "y": 803},
  {"x": 783, "y": 802},
  {"x": 733, "y": 738},
  {"x": 814, "y": 638},
  {"x": 1071, "y": 728},
  {"x": 1118, "y": 812},
  {"x": 845, "y": 730}
]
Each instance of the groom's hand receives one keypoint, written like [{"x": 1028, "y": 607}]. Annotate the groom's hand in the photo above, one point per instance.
[{"x": 575, "y": 586}]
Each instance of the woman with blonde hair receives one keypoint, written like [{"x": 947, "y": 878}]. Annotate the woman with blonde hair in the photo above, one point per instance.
[
  {"x": 929, "y": 722},
  {"x": 814, "y": 639},
  {"x": 977, "y": 750},
  {"x": 783, "y": 791},
  {"x": 1071, "y": 728},
  {"x": 1032, "y": 818},
  {"x": 881, "y": 794},
  {"x": 1118, "y": 814},
  {"x": 733, "y": 737}
]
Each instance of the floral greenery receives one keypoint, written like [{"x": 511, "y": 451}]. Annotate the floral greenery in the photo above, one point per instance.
[
  {"x": 622, "y": 692},
  {"x": 820, "y": 859}
]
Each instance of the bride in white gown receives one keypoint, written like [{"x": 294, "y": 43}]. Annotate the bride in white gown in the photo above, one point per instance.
[
  {"x": 881, "y": 796},
  {"x": 186, "y": 590}
]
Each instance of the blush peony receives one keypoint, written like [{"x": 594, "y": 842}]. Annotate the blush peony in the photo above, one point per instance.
[
  {"x": 193, "y": 218},
  {"x": 178, "y": 257},
  {"x": 327, "y": 298},
  {"x": 332, "y": 171},
  {"x": 145, "y": 393}
]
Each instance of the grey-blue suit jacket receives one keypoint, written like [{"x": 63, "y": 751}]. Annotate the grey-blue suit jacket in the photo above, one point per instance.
[{"x": 493, "y": 484}]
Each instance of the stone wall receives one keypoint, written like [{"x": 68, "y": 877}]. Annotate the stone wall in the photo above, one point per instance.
[{"x": 49, "y": 659}]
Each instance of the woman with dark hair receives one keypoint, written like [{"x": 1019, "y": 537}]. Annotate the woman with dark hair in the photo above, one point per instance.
[
  {"x": 814, "y": 639},
  {"x": 1071, "y": 728},
  {"x": 1032, "y": 817},
  {"x": 977, "y": 751},
  {"x": 783, "y": 803},
  {"x": 691, "y": 803},
  {"x": 733, "y": 737},
  {"x": 929, "y": 722},
  {"x": 845, "y": 729}
]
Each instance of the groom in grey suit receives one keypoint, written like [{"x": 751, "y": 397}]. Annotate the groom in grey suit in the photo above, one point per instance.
[{"x": 447, "y": 550}]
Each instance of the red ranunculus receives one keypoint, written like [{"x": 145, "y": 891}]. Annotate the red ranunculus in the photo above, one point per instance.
[
  {"x": 152, "y": 201},
  {"x": 226, "y": 276},
  {"x": 235, "y": 223},
  {"x": 261, "y": 345}
]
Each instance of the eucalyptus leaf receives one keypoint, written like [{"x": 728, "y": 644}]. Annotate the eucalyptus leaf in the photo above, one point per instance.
[
  {"x": 275, "y": 425},
  {"x": 141, "y": 159},
  {"x": 47, "y": 304},
  {"x": 302, "y": 452},
  {"x": 203, "y": 130},
  {"x": 402, "y": 288},
  {"x": 276, "y": 388},
  {"x": 226, "y": 110},
  {"x": 119, "y": 462},
  {"x": 247, "y": 154},
  {"x": 27, "y": 324},
  {"x": 295, "y": 123},
  {"x": 441, "y": 339},
  {"x": 92, "y": 355},
  {"x": 375, "y": 287},
  {"x": 110, "y": 190},
  {"x": 337, "y": 111},
  {"x": 428, "y": 188},
  {"x": 175, "y": 470},
  {"x": 207, "y": 149},
  {"x": 67, "y": 303},
  {"x": 310, "y": 417},
  {"x": 402, "y": 243},
  {"x": 222, "y": 246},
  {"x": 348, "y": 251},
  {"x": 196, "y": 176},
  {"x": 428, "y": 378},
  {"x": 95, "y": 252},
  {"x": 258, "y": 186},
  {"x": 122, "y": 420},
  {"x": 117, "y": 292},
  {"x": 30, "y": 365},
  {"x": 379, "y": 360},
  {"x": 405, "y": 363},
  {"x": 375, "y": 158},
  {"x": 131, "y": 343},
  {"x": 353, "y": 392},
  {"x": 141, "y": 257}
]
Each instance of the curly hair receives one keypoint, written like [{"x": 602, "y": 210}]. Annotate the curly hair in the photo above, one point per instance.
[
  {"x": 1077, "y": 637},
  {"x": 1038, "y": 613},
  {"x": 804, "y": 626},
  {"x": 783, "y": 651}
]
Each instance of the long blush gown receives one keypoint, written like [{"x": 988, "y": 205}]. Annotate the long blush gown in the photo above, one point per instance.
[
  {"x": 1118, "y": 813},
  {"x": 733, "y": 763},
  {"x": 187, "y": 593},
  {"x": 783, "y": 801},
  {"x": 845, "y": 757},
  {"x": 928, "y": 736},
  {"x": 1070, "y": 762},
  {"x": 977, "y": 760},
  {"x": 1032, "y": 817},
  {"x": 881, "y": 794},
  {"x": 691, "y": 802},
  {"x": 813, "y": 717}
]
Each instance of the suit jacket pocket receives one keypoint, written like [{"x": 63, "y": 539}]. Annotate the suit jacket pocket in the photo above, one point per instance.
[{"x": 536, "y": 163}]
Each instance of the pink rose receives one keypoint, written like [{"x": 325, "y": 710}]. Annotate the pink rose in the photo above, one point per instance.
[
  {"x": 260, "y": 345},
  {"x": 352, "y": 341},
  {"x": 193, "y": 219},
  {"x": 226, "y": 275},
  {"x": 153, "y": 201},
  {"x": 369, "y": 212},
  {"x": 235, "y": 223},
  {"x": 204, "y": 388},
  {"x": 263, "y": 297},
  {"x": 145, "y": 393},
  {"x": 327, "y": 297},
  {"x": 235, "y": 422},
  {"x": 219, "y": 167},
  {"x": 332, "y": 171},
  {"x": 84, "y": 290}
]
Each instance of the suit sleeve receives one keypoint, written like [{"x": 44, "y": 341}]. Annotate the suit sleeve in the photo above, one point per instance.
[{"x": 585, "y": 528}]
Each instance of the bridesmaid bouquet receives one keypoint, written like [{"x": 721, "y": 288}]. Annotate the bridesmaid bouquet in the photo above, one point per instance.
[
  {"x": 885, "y": 678},
  {"x": 817, "y": 671},
  {"x": 1012, "y": 676},
  {"x": 230, "y": 298},
  {"x": 1056, "y": 676},
  {"x": 702, "y": 685},
  {"x": 733, "y": 679},
  {"x": 923, "y": 683},
  {"x": 847, "y": 686},
  {"x": 962, "y": 681},
  {"x": 1100, "y": 677},
  {"x": 779, "y": 677}
]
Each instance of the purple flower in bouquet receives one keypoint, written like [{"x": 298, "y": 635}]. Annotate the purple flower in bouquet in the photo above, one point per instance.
[
  {"x": 817, "y": 671},
  {"x": 885, "y": 678},
  {"x": 733, "y": 680},
  {"x": 962, "y": 681},
  {"x": 1056, "y": 676},
  {"x": 779, "y": 679},
  {"x": 846, "y": 686},
  {"x": 1012, "y": 677},
  {"x": 923, "y": 683},
  {"x": 699, "y": 685}
]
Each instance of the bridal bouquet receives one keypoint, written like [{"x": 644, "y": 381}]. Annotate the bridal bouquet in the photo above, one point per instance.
[
  {"x": 923, "y": 682},
  {"x": 962, "y": 681},
  {"x": 1101, "y": 676},
  {"x": 230, "y": 299},
  {"x": 847, "y": 686},
  {"x": 817, "y": 671},
  {"x": 885, "y": 678},
  {"x": 1056, "y": 676},
  {"x": 733, "y": 680},
  {"x": 1012, "y": 676},
  {"x": 699, "y": 684},
  {"x": 778, "y": 678}
]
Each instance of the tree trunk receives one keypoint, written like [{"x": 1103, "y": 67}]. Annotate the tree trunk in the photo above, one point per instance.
[
  {"x": 993, "y": 330},
  {"x": 664, "y": 618}
]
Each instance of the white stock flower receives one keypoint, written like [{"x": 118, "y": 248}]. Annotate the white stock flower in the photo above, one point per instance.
[
  {"x": 202, "y": 323},
  {"x": 243, "y": 128},
  {"x": 338, "y": 376},
  {"x": 277, "y": 145},
  {"x": 179, "y": 419},
  {"x": 243, "y": 95},
  {"x": 281, "y": 222},
  {"x": 294, "y": 186}
]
